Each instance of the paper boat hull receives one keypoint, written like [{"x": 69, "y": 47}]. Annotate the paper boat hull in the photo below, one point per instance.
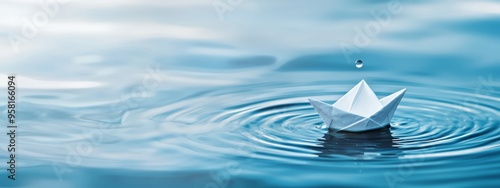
[{"x": 342, "y": 120}]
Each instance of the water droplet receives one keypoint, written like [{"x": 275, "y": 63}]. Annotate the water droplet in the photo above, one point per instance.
[{"x": 359, "y": 63}]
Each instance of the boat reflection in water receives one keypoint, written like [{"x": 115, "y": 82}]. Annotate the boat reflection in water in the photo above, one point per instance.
[{"x": 377, "y": 143}]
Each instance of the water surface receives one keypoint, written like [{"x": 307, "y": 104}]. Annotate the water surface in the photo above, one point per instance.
[{"x": 168, "y": 94}]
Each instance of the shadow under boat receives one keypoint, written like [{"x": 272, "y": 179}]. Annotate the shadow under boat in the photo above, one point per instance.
[{"x": 377, "y": 143}]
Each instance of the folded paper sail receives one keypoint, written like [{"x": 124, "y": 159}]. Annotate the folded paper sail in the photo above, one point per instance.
[{"x": 359, "y": 109}]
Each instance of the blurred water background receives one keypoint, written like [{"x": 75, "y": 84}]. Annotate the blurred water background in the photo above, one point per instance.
[{"x": 213, "y": 93}]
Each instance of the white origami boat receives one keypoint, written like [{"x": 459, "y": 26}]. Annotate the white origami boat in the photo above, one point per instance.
[{"x": 359, "y": 109}]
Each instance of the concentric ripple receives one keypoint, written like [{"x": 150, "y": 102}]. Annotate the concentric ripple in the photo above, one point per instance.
[
  {"x": 269, "y": 130},
  {"x": 276, "y": 123}
]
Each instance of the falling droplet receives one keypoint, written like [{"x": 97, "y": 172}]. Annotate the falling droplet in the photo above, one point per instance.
[{"x": 359, "y": 63}]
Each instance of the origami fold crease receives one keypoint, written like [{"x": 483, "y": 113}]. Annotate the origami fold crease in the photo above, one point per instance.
[{"x": 359, "y": 109}]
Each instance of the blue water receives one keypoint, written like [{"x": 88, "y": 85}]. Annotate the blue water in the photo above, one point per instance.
[{"x": 170, "y": 94}]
